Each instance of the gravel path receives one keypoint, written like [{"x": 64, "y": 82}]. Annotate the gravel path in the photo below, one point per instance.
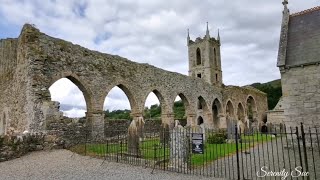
[{"x": 60, "y": 164}]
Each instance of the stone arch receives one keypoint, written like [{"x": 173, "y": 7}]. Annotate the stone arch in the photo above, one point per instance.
[
  {"x": 79, "y": 83},
  {"x": 241, "y": 117},
  {"x": 198, "y": 56},
  {"x": 202, "y": 104},
  {"x": 200, "y": 120},
  {"x": 216, "y": 111},
  {"x": 240, "y": 113},
  {"x": 166, "y": 111},
  {"x": 185, "y": 102},
  {"x": 205, "y": 111},
  {"x": 128, "y": 93},
  {"x": 251, "y": 109},
  {"x": 230, "y": 114}
]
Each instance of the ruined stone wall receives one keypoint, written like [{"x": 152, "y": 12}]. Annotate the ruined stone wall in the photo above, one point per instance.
[
  {"x": 301, "y": 95},
  {"x": 13, "y": 86},
  {"x": 96, "y": 74},
  {"x": 42, "y": 60},
  {"x": 239, "y": 96}
]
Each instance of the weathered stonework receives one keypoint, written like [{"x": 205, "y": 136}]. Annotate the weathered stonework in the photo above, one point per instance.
[
  {"x": 276, "y": 116},
  {"x": 31, "y": 63},
  {"x": 298, "y": 62}
]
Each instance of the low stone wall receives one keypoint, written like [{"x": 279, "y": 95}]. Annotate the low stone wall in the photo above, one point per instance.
[
  {"x": 15, "y": 146},
  {"x": 66, "y": 132},
  {"x": 122, "y": 125}
]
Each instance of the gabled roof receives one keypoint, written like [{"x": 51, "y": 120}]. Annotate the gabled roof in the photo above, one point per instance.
[
  {"x": 303, "y": 43},
  {"x": 306, "y": 11}
]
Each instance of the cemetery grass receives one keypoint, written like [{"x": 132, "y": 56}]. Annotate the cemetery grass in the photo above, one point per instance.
[{"x": 153, "y": 150}]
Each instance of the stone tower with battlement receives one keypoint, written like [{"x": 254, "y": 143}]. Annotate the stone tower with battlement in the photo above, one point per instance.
[{"x": 205, "y": 58}]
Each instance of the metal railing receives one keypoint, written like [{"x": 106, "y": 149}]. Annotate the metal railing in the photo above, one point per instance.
[{"x": 286, "y": 153}]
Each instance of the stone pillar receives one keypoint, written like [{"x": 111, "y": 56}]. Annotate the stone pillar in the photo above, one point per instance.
[
  {"x": 191, "y": 119},
  {"x": 95, "y": 123},
  {"x": 208, "y": 121},
  {"x": 222, "y": 121},
  {"x": 168, "y": 119}
]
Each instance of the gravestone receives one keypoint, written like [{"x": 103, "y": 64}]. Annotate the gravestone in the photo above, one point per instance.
[
  {"x": 231, "y": 130},
  {"x": 133, "y": 139},
  {"x": 178, "y": 148}
]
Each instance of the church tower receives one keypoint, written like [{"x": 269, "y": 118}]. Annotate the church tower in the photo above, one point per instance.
[{"x": 205, "y": 58}]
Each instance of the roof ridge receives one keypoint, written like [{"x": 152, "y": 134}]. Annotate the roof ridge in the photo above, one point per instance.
[{"x": 306, "y": 11}]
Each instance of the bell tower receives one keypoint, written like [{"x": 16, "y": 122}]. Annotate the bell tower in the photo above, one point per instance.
[{"x": 205, "y": 58}]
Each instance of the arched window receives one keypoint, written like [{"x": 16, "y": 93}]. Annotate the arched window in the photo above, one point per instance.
[
  {"x": 200, "y": 120},
  {"x": 215, "y": 60},
  {"x": 198, "y": 57}
]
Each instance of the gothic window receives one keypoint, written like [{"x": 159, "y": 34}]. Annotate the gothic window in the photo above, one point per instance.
[
  {"x": 198, "y": 57},
  {"x": 215, "y": 59}
]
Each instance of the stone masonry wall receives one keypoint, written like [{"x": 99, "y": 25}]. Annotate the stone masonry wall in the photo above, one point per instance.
[
  {"x": 301, "y": 95},
  {"x": 13, "y": 87},
  {"x": 42, "y": 60}
]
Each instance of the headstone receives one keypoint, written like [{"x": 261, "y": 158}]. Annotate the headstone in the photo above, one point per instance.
[
  {"x": 133, "y": 139},
  {"x": 231, "y": 130},
  {"x": 178, "y": 148},
  {"x": 164, "y": 134}
]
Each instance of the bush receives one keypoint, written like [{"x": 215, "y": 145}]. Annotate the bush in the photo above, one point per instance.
[{"x": 217, "y": 137}]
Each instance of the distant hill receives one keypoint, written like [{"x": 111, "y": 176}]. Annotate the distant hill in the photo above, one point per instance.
[{"x": 273, "y": 90}]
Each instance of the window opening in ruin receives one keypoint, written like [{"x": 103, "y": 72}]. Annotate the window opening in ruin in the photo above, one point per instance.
[
  {"x": 117, "y": 105},
  {"x": 198, "y": 56},
  {"x": 70, "y": 97}
]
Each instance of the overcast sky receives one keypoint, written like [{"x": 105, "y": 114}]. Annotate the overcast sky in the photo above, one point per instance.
[{"x": 154, "y": 32}]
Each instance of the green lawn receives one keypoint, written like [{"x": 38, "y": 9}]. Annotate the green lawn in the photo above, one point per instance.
[{"x": 152, "y": 149}]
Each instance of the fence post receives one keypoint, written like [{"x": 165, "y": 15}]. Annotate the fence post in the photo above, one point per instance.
[
  {"x": 237, "y": 148},
  {"x": 304, "y": 149},
  {"x": 299, "y": 148}
]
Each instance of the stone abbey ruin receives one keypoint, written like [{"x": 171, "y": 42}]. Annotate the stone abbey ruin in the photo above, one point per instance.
[{"x": 31, "y": 63}]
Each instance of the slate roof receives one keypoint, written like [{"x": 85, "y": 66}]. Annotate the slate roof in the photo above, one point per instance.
[{"x": 303, "y": 45}]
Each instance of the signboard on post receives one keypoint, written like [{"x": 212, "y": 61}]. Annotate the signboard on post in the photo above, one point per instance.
[{"x": 197, "y": 143}]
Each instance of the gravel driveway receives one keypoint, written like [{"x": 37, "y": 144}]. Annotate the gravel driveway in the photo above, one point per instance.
[{"x": 60, "y": 164}]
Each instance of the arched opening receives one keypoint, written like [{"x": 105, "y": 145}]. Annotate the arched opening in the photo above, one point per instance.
[
  {"x": 198, "y": 56},
  {"x": 203, "y": 110},
  {"x": 231, "y": 120},
  {"x": 229, "y": 112},
  {"x": 215, "y": 59},
  {"x": 180, "y": 107},
  {"x": 216, "y": 108},
  {"x": 240, "y": 113},
  {"x": 202, "y": 105},
  {"x": 251, "y": 112},
  {"x": 72, "y": 100},
  {"x": 241, "y": 117},
  {"x": 153, "y": 105},
  {"x": 200, "y": 120},
  {"x": 117, "y": 105}
]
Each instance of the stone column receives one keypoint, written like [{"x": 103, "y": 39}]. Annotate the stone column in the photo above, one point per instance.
[
  {"x": 208, "y": 121},
  {"x": 191, "y": 119},
  {"x": 168, "y": 118},
  {"x": 222, "y": 121},
  {"x": 95, "y": 123}
]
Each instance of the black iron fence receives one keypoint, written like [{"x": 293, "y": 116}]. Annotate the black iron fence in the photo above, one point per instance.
[{"x": 286, "y": 153}]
